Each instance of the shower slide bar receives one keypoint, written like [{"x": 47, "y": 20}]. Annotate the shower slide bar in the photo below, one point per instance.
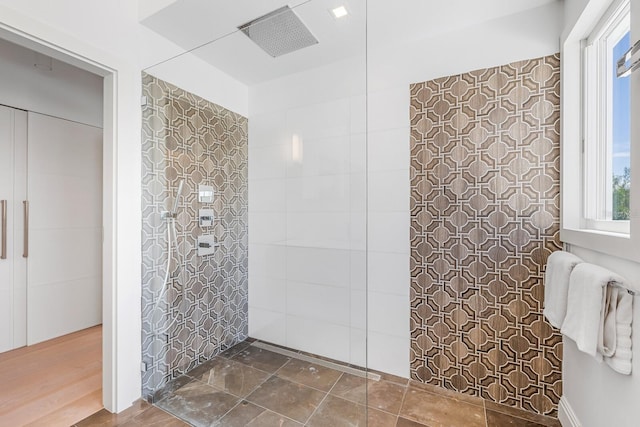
[{"x": 618, "y": 285}]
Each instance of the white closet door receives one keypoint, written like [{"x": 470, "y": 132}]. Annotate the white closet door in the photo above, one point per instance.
[
  {"x": 13, "y": 189},
  {"x": 65, "y": 227}
]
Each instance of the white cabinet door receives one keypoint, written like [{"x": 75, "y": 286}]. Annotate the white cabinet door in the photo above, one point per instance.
[
  {"x": 65, "y": 227},
  {"x": 13, "y": 158}
]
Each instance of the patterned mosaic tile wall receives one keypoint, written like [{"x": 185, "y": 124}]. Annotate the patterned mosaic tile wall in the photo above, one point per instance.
[
  {"x": 204, "y": 310},
  {"x": 484, "y": 219}
]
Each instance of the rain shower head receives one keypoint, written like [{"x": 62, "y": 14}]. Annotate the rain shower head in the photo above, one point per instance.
[{"x": 279, "y": 32}]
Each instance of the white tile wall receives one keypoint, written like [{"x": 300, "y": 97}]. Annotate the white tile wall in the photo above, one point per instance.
[
  {"x": 321, "y": 120},
  {"x": 318, "y": 194},
  {"x": 267, "y": 261},
  {"x": 329, "y": 230},
  {"x": 324, "y": 202},
  {"x": 324, "y": 156},
  {"x": 389, "y": 273},
  {"x": 268, "y": 293},
  {"x": 388, "y": 149},
  {"x": 319, "y": 337},
  {"x": 268, "y": 195},
  {"x": 268, "y": 162},
  {"x": 318, "y": 302},
  {"x": 389, "y": 191},
  {"x": 358, "y": 269},
  {"x": 388, "y": 314},
  {"x": 358, "y": 355},
  {"x": 388, "y": 232},
  {"x": 388, "y": 353},
  {"x": 268, "y": 227},
  {"x": 266, "y": 324},
  {"x": 329, "y": 267},
  {"x": 389, "y": 108}
]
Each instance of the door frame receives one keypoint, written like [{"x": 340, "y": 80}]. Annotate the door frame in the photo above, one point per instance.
[{"x": 121, "y": 256}]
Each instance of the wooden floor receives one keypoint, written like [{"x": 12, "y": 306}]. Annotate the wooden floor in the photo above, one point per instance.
[{"x": 54, "y": 383}]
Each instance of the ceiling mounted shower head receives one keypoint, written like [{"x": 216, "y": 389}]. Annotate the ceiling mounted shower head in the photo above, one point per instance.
[{"x": 279, "y": 32}]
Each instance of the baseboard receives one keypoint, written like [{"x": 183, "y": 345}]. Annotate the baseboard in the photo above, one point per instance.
[{"x": 566, "y": 416}]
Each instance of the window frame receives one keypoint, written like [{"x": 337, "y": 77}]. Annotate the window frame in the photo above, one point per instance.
[
  {"x": 573, "y": 224},
  {"x": 597, "y": 121}
]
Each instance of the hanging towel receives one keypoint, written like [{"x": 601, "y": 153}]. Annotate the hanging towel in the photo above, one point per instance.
[
  {"x": 607, "y": 337},
  {"x": 560, "y": 264},
  {"x": 585, "y": 319},
  {"x": 617, "y": 348}
]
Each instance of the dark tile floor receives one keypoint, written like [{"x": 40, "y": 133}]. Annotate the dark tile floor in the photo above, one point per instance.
[{"x": 250, "y": 386}]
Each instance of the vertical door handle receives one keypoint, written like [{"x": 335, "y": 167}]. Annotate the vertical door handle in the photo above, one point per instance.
[
  {"x": 3, "y": 212},
  {"x": 25, "y": 253}
]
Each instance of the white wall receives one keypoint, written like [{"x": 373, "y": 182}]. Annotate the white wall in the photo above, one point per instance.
[
  {"x": 323, "y": 99},
  {"x": 63, "y": 91},
  {"x": 110, "y": 32},
  {"x": 596, "y": 395},
  {"x": 306, "y": 214}
]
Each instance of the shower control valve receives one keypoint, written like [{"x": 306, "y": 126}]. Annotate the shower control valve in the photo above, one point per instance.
[{"x": 206, "y": 217}]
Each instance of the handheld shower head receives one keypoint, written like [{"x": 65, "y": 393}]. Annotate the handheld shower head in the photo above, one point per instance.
[{"x": 177, "y": 197}]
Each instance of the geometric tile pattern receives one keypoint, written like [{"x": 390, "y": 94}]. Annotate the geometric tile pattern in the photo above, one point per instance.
[
  {"x": 485, "y": 182},
  {"x": 204, "y": 310}
]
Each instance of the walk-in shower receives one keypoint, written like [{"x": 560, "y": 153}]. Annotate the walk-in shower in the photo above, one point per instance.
[
  {"x": 289, "y": 214},
  {"x": 341, "y": 290}
]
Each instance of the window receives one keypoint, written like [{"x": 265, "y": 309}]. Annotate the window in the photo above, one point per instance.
[
  {"x": 597, "y": 160},
  {"x": 606, "y": 125}
]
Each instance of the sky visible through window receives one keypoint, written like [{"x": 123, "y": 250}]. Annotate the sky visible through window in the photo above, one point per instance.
[
  {"x": 621, "y": 113},
  {"x": 621, "y": 190}
]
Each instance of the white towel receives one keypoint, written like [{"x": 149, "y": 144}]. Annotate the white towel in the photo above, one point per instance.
[
  {"x": 556, "y": 285},
  {"x": 584, "y": 322},
  {"x": 619, "y": 345}
]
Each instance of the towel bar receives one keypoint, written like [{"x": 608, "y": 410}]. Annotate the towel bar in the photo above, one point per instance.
[{"x": 618, "y": 285}]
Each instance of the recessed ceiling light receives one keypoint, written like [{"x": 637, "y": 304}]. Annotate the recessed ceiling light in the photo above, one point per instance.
[{"x": 339, "y": 12}]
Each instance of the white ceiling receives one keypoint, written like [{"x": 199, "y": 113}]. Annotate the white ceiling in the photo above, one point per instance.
[{"x": 193, "y": 23}]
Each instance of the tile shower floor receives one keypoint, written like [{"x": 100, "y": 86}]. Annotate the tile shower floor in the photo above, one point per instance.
[{"x": 249, "y": 385}]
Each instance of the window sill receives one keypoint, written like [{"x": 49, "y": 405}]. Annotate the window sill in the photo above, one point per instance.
[
  {"x": 616, "y": 244},
  {"x": 616, "y": 228}
]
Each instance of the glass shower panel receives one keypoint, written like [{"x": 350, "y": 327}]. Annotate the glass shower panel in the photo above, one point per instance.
[{"x": 285, "y": 288}]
